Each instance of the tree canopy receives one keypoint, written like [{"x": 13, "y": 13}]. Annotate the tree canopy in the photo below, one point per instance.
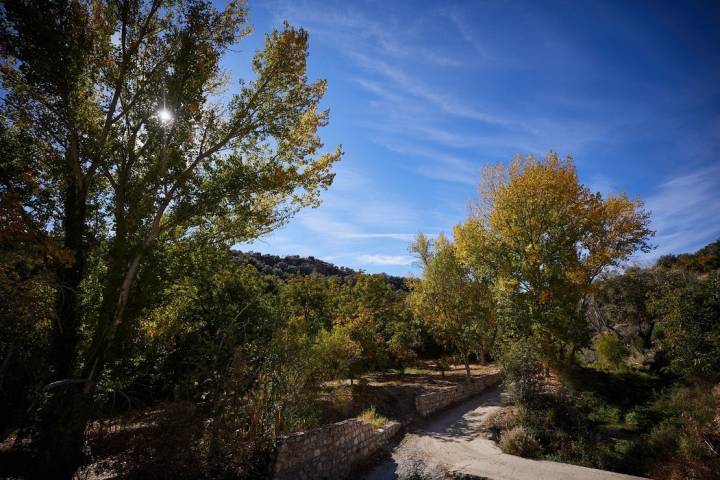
[
  {"x": 456, "y": 305},
  {"x": 544, "y": 237}
]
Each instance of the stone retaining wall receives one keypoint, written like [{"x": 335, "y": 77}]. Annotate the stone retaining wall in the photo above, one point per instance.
[
  {"x": 441, "y": 398},
  {"x": 331, "y": 451}
]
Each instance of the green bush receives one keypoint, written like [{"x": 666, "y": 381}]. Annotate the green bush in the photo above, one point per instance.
[
  {"x": 689, "y": 330},
  {"x": 336, "y": 353},
  {"x": 610, "y": 351},
  {"x": 518, "y": 441},
  {"x": 636, "y": 418},
  {"x": 604, "y": 413},
  {"x": 522, "y": 365}
]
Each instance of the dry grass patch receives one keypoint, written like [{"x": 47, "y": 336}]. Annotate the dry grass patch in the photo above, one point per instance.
[
  {"x": 499, "y": 421},
  {"x": 373, "y": 418},
  {"x": 520, "y": 442}
]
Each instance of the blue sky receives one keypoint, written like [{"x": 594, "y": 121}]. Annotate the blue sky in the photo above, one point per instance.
[{"x": 422, "y": 95}]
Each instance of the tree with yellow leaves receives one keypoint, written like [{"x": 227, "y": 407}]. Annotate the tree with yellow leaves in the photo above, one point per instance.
[
  {"x": 543, "y": 237},
  {"x": 454, "y": 304}
]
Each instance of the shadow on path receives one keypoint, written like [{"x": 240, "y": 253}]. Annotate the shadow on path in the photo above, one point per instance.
[
  {"x": 459, "y": 423},
  {"x": 453, "y": 441},
  {"x": 462, "y": 421}
]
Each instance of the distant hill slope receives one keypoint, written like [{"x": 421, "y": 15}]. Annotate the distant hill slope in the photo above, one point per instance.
[
  {"x": 297, "y": 265},
  {"x": 705, "y": 260}
]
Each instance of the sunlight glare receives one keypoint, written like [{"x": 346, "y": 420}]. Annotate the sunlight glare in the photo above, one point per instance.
[{"x": 165, "y": 116}]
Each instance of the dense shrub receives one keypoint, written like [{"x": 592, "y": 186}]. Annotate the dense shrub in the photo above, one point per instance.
[
  {"x": 336, "y": 353},
  {"x": 559, "y": 424},
  {"x": 610, "y": 351},
  {"x": 689, "y": 329},
  {"x": 686, "y": 441},
  {"x": 523, "y": 372},
  {"x": 636, "y": 418}
]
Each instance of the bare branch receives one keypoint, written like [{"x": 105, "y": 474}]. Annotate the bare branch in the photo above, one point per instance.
[{"x": 62, "y": 383}]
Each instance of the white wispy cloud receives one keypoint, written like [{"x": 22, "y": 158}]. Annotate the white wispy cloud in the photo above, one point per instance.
[
  {"x": 466, "y": 33},
  {"x": 327, "y": 223},
  {"x": 686, "y": 211},
  {"x": 413, "y": 106},
  {"x": 390, "y": 48},
  {"x": 351, "y": 29},
  {"x": 443, "y": 166},
  {"x": 356, "y": 208},
  {"x": 445, "y": 102},
  {"x": 376, "y": 259}
]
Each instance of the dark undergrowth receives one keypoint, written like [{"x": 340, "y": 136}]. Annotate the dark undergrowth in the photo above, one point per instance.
[{"x": 629, "y": 421}]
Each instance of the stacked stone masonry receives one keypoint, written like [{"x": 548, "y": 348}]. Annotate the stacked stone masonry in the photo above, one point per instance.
[
  {"x": 330, "y": 452},
  {"x": 441, "y": 398}
]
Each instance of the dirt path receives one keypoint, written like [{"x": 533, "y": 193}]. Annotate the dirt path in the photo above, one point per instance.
[{"x": 453, "y": 441}]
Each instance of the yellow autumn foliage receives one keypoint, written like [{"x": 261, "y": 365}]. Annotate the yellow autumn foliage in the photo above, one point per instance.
[{"x": 544, "y": 237}]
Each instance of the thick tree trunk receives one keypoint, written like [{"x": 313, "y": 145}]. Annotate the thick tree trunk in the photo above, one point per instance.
[
  {"x": 466, "y": 359},
  {"x": 65, "y": 332},
  {"x": 62, "y": 432},
  {"x": 64, "y": 416}
]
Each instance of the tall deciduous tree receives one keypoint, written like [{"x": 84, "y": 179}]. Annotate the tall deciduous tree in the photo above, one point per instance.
[
  {"x": 547, "y": 237},
  {"x": 142, "y": 145},
  {"x": 456, "y": 305}
]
